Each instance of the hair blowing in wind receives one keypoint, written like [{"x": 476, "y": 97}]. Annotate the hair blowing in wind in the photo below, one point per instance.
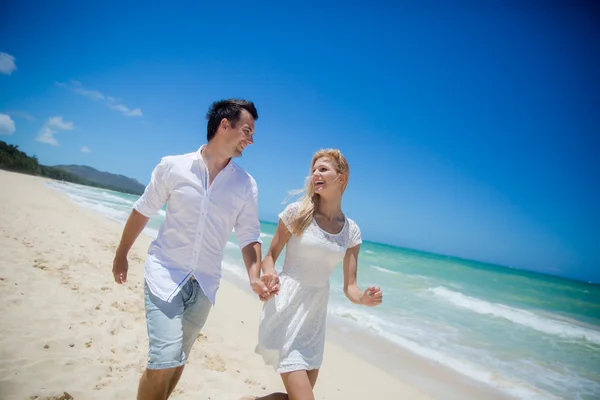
[{"x": 309, "y": 199}]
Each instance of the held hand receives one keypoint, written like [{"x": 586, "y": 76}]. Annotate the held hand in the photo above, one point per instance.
[
  {"x": 260, "y": 289},
  {"x": 120, "y": 268},
  {"x": 267, "y": 286},
  {"x": 373, "y": 296},
  {"x": 271, "y": 280}
]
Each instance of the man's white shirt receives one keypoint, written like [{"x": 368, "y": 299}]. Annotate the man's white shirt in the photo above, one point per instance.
[{"x": 198, "y": 222}]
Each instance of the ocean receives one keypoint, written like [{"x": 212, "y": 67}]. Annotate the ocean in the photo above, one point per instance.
[{"x": 527, "y": 335}]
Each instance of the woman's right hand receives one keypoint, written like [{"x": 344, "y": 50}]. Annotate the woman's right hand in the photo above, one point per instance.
[{"x": 271, "y": 280}]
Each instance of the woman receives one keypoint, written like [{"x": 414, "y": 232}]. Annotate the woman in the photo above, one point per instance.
[{"x": 318, "y": 237}]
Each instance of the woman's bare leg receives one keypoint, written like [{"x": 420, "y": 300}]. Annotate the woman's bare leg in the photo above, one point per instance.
[
  {"x": 313, "y": 374},
  {"x": 299, "y": 384}
]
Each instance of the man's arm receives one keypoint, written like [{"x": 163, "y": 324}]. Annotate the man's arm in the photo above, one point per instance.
[
  {"x": 134, "y": 226},
  {"x": 154, "y": 197},
  {"x": 252, "y": 258},
  {"x": 247, "y": 231},
  {"x": 270, "y": 277}
]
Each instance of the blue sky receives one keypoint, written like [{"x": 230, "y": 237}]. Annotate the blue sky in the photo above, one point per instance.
[{"x": 471, "y": 130}]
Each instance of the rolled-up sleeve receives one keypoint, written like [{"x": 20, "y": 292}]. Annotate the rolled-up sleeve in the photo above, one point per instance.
[
  {"x": 247, "y": 226},
  {"x": 156, "y": 193}
]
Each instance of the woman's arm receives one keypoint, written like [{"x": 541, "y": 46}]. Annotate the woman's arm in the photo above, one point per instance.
[
  {"x": 270, "y": 278},
  {"x": 372, "y": 296}
]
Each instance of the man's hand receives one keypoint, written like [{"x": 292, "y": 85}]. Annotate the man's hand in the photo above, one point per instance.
[
  {"x": 259, "y": 288},
  {"x": 120, "y": 268},
  {"x": 373, "y": 296},
  {"x": 271, "y": 280},
  {"x": 267, "y": 286}
]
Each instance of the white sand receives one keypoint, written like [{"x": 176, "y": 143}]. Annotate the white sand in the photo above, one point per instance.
[{"x": 65, "y": 326}]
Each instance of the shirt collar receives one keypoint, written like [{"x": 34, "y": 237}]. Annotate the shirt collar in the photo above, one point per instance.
[{"x": 198, "y": 156}]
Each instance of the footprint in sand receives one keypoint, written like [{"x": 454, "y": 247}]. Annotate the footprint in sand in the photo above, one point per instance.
[
  {"x": 79, "y": 260},
  {"x": 101, "y": 386},
  {"x": 214, "y": 363},
  {"x": 118, "y": 371},
  {"x": 110, "y": 247},
  {"x": 133, "y": 288},
  {"x": 64, "y": 396},
  {"x": 202, "y": 337},
  {"x": 127, "y": 306},
  {"x": 39, "y": 263},
  {"x": 121, "y": 306}
]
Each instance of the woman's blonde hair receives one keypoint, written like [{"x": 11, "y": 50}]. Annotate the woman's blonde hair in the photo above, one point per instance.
[{"x": 309, "y": 199}]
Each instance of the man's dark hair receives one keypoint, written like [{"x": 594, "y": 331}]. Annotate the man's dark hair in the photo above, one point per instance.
[{"x": 230, "y": 109}]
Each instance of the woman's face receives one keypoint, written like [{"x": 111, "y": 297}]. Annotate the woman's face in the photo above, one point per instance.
[{"x": 325, "y": 178}]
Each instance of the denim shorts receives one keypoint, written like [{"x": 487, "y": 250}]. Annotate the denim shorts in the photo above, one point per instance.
[{"x": 173, "y": 327}]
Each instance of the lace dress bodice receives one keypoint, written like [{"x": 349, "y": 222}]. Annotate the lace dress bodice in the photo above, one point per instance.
[{"x": 312, "y": 257}]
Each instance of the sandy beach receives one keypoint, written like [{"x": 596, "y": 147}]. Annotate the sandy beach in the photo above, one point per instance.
[{"x": 67, "y": 327}]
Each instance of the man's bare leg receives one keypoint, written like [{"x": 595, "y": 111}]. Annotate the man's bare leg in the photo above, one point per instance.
[
  {"x": 155, "y": 384},
  {"x": 174, "y": 380}
]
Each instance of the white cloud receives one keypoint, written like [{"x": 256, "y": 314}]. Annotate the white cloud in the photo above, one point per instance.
[
  {"x": 111, "y": 102},
  {"x": 7, "y": 63},
  {"x": 7, "y": 125},
  {"x": 58, "y": 123},
  {"x": 125, "y": 110},
  {"x": 20, "y": 114},
  {"x": 46, "y": 135},
  {"x": 91, "y": 94},
  {"x": 52, "y": 126},
  {"x": 85, "y": 149}
]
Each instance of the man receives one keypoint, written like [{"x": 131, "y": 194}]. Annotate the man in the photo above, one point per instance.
[{"x": 207, "y": 196}]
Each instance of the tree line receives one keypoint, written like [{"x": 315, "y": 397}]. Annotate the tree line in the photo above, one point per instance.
[{"x": 15, "y": 160}]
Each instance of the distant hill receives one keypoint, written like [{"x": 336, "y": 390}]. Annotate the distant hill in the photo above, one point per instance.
[
  {"x": 13, "y": 159},
  {"x": 105, "y": 179}
]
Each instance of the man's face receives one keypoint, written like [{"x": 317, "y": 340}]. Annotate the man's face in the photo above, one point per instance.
[{"x": 239, "y": 135}]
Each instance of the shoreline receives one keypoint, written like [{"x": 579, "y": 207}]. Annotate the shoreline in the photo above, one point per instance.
[{"x": 430, "y": 377}]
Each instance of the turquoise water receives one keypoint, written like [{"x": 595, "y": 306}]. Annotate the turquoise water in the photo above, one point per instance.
[{"x": 529, "y": 335}]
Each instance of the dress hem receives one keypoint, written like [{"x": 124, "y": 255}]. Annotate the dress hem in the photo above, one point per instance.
[{"x": 269, "y": 357}]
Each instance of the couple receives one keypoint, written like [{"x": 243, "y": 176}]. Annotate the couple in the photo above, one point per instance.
[{"x": 207, "y": 196}]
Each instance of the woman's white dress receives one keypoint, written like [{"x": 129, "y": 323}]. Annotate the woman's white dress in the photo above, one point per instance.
[{"x": 291, "y": 333}]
